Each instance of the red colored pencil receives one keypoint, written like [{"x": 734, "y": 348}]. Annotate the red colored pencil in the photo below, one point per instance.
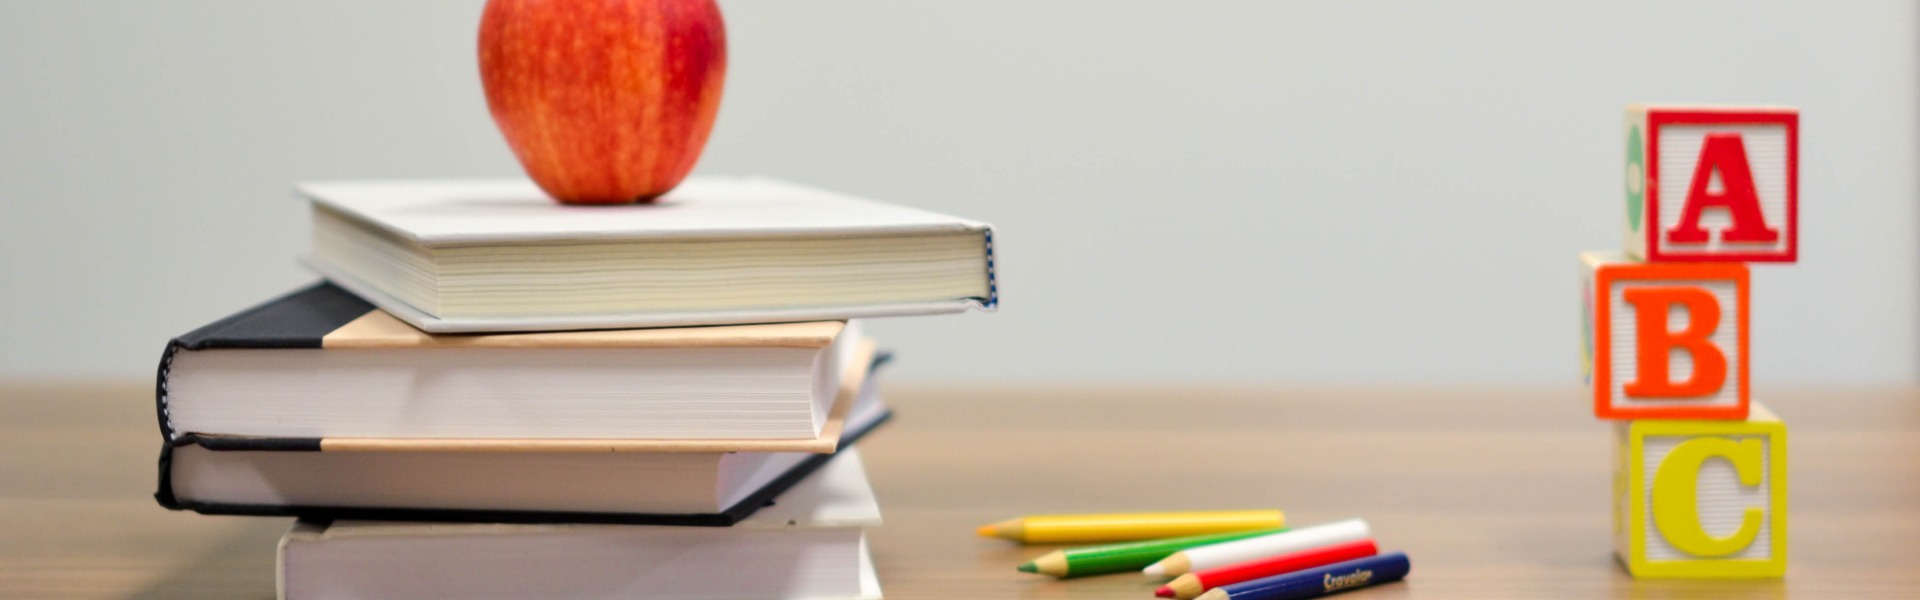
[{"x": 1192, "y": 584}]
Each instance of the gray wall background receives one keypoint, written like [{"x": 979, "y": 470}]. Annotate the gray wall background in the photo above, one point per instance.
[{"x": 1378, "y": 192}]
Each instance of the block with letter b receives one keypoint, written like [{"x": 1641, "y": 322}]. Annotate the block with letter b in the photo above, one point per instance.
[
  {"x": 1701, "y": 499},
  {"x": 1713, "y": 184},
  {"x": 1665, "y": 340}
]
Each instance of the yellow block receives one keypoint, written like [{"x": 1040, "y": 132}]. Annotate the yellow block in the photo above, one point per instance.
[{"x": 1702, "y": 499}]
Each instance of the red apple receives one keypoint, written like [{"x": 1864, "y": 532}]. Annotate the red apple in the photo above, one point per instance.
[{"x": 604, "y": 101}]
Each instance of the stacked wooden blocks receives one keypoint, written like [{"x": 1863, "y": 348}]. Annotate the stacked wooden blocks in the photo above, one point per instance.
[{"x": 1700, "y": 471}]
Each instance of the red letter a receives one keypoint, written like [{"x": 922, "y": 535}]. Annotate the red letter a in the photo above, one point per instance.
[{"x": 1726, "y": 153}]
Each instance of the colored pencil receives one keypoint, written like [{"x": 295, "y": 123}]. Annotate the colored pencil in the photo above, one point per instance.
[
  {"x": 1238, "y": 551},
  {"x": 1073, "y": 529},
  {"x": 1129, "y": 556},
  {"x": 1185, "y": 587},
  {"x": 1317, "y": 581}
]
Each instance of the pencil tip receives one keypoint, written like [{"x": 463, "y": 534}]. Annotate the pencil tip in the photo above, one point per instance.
[
  {"x": 1029, "y": 568},
  {"x": 1163, "y": 592},
  {"x": 1154, "y": 570},
  {"x": 1007, "y": 530}
]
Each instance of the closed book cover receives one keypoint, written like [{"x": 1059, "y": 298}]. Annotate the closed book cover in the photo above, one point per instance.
[
  {"x": 322, "y": 364},
  {"x": 498, "y": 255},
  {"x": 787, "y": 474}
]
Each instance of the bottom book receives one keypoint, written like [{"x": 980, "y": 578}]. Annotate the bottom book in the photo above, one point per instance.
[{"x": 810, "y": 543}]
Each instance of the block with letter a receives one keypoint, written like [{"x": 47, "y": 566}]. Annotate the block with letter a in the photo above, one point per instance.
[
  {"x": 1701, "y": 499},
  {"x": 1713, "y": 184},
  {"x": 1665, "y": 340}
]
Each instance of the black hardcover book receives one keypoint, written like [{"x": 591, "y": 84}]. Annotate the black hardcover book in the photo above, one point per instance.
[{"x": 498, "y": 475}]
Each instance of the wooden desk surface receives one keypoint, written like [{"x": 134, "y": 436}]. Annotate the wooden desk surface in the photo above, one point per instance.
[{"x": 1493, "y": 493}]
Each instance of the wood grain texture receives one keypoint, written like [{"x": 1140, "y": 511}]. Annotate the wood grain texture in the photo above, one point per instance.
[{"x": 1494, "y": 493}]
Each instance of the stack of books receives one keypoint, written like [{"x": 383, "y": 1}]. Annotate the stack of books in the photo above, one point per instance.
[{"x": 496, "y": 396}]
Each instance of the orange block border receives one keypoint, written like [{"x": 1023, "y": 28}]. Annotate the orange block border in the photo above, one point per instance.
[{"x": 1603, "y": 280}]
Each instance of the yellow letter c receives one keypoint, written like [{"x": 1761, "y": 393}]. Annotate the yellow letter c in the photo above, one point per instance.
[{"x": 1676, "y": 511}]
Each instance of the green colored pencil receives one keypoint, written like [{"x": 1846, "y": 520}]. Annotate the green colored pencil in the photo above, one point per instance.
[{"x": 1130, "y": 556}]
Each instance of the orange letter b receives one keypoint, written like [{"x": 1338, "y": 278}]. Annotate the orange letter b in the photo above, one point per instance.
[{"x": 1655, "y": 342}]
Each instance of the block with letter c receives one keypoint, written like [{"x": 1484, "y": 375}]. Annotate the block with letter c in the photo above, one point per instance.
[
  {"x": 1665, "y": 340},
  {"x": 1701, "y": 499}
]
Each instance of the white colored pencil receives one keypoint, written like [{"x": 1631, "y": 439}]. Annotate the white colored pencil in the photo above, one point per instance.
[{"x": 1253, "y": 548}]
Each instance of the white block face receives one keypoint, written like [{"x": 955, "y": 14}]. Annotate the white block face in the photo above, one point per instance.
[
  {"x": 1678, "y": 156},
  {"x": 1721, "y": 500},
  {"x": 1623, "y": 327}
]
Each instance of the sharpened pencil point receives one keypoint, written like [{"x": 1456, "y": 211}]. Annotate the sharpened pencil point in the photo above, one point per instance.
[
  {"x": 1007, "y": 530},
  {"x": 1172, "y": 566},
  {"x": 1163, "y": 592},
  {"x": 1183, "y": 587},
  {"x": 1029, "y": 568}
]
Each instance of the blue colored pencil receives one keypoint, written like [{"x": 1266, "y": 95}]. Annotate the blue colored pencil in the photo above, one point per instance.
[{"x": 1317, "y": 581}]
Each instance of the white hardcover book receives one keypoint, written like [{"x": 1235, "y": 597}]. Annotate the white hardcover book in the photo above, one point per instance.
[
  {"x": 808, "y": 545},
  {"x": 550, "y": 485},
  {"x": 498, "y": 255}
]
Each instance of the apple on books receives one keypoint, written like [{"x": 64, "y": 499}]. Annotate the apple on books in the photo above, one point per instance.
[{"x": 606, "y": 102}]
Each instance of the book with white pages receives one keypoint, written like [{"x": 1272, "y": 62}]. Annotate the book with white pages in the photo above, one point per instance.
[
  {"x": 498, "y": 255},
  {"x": 322, "y": 364},
  {"x": 716, "y": 486},
  {"x": 810, "y": 544}
]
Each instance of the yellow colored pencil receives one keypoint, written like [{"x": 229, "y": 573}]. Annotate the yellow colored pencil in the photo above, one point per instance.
[{"x": 1076, "y": 529}]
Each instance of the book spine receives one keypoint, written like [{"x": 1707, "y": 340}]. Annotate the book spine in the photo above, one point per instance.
[
  {"x": 160, "y": 409},
  {"x": 993, "y": 277},
  {"x": 163, "y": 490}
]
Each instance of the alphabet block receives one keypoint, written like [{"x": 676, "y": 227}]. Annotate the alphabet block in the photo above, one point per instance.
[
  {"x": 1665, "y": 340},
  {"x": 1701, "y": 499},
  {"x": 1713, "y": 184}
]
